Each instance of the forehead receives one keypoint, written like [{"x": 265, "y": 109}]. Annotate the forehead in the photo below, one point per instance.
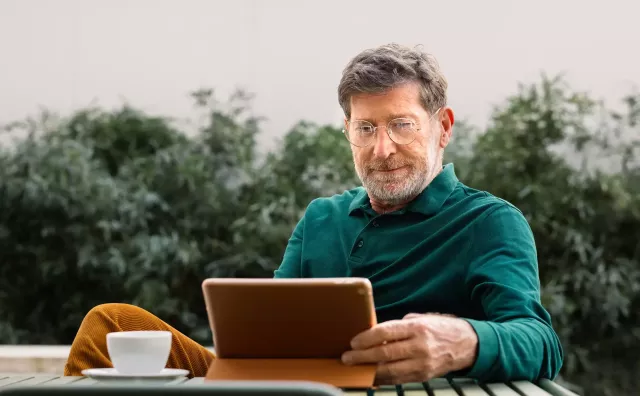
[{"x": 400, "y": 101}]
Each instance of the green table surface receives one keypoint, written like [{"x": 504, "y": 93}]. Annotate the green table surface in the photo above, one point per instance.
[{"x": 436, "y": 387}]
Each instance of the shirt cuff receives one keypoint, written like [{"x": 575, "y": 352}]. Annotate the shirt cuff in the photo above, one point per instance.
[{"x": 488, "y": 349}]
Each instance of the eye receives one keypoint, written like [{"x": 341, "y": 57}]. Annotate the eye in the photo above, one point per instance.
[
  {"x": 364, "y": 129},
  {"x": 401, "y": 125}
]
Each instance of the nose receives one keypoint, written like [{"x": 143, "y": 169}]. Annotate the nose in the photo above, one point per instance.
[{"x": 383, "y": 146}]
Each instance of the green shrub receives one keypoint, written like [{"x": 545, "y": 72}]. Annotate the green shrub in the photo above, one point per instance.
[
  {"x": 585, "y": 219},
  {"x": 122, "y": 206}
]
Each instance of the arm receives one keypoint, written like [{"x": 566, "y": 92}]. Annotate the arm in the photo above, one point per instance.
[
  {"x": 517, "y": 340},
  {"x": 292, "y": 260}
]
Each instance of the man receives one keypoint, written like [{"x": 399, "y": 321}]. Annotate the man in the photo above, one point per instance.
[{"x": 454, "y": 270}]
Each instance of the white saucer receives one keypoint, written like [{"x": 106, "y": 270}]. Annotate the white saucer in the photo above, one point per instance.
[{"x": 112, "y": 374}]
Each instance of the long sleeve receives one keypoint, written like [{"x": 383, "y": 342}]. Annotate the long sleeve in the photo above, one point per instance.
[
  {"x": 517, "y": 341},
  {"x": 292, "y": 259}
]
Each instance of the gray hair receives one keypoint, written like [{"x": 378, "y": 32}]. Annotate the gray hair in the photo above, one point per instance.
[{"x": 378, "y": 69}]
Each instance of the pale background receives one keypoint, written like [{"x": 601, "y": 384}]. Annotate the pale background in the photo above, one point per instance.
[{"x": 66, "y": 54}]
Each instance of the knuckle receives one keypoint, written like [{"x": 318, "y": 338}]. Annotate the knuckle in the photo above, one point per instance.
[
  {"x": 386, "y": 353},
  {"x": 417, "y": 349},
  {"x": 430, "y": 368},
  {"x": 418, "y": 326},
  {"x": 391, "y": 352},
  {"x": 425, "y": 332},
  {"x": 388, "y": 332},
  {"x": 428, "y": 348},
  {"x": 421, "y": 331},
  {"x": 414, "y": 324},
  {"x": 422, "y": 351}
]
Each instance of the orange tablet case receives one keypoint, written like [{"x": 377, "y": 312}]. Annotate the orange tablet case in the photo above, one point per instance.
[{"x": 288, "y": 329}]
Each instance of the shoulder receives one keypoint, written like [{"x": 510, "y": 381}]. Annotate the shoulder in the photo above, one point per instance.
[
  {"x": 487, "y": 204},
  {"x": 498, "y": 225},
  {"x": 337, "y": 204},
  {"x": 490, "y": 213}
]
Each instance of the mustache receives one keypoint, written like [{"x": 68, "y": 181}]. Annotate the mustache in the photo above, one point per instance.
[{"x": 387, "y": 165}]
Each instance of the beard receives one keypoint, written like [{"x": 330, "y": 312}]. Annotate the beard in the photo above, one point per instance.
[{"x": 398, "y": 186}]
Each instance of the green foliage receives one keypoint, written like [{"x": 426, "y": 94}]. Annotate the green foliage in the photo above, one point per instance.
[
  {"x": 118, "y": 206},
  {"x": 585, "y": 221},
  {"x": 122, "y": 206}
]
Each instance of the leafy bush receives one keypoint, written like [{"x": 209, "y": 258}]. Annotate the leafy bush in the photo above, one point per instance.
[
  {"x": 584, "y": 219},
  {"x": 108, "y": 206},
  {"x": 117, "y": 206}
]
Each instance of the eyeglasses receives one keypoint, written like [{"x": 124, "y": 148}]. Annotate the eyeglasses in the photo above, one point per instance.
[{"x": 400, "y": 130}]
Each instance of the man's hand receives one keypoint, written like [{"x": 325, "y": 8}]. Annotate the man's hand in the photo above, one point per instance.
[{"x": 415, "y": 349}]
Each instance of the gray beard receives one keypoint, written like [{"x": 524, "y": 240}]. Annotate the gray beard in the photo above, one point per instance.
[
  {"x": 401, "y": 189},
  {"x": 404, "y": 188}
]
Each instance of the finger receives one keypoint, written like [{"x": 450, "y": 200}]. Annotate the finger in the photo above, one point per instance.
[
  {"x": 388, "y": 352},
  {"x": 402, "y": 371},
  {"x": 394, "y": 330}
]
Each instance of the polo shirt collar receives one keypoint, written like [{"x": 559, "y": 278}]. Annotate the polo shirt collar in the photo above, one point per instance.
[{"x": 428, "y": 202}]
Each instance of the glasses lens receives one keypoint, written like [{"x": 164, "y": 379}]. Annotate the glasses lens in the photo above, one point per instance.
[
  {"x": 360, "y": 133},
  {"x": 402, "y": 130}
]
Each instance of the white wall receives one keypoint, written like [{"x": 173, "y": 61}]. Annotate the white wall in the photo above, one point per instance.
[{"x": 63, "y": 54}]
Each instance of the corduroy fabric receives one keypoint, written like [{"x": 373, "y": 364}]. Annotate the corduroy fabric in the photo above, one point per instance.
[{"x": 89, "y": 348}]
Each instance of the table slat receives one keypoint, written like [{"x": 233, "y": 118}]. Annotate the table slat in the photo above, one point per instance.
[
  {"x": 438, "y": 383},
  {"x": 65, "y": 380},
  {"x": 194, "y": 381},
  {"x": 441, "y": 387},
  {"x": 499, "y": 389},
  {"x": 473, "y": 390},
  {"x": 36, "y": 380},
  {"x": 363, "y": 392},
  {"x": 14, "y": 379},
  {"x": 84, "y": 381},
  {"x": 529, "y": 388},
  {"x": 414, "y": 389},
  {"x": 555, "y": 389},
  {"x": 469, "y": 387},
  {"x": 416, "y": 392},
  {"x": 178, "y": 381},
  {"x": 445, "y": 392}
]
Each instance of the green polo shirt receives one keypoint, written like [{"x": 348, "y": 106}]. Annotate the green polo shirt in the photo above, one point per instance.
[{"x": 452, "y": 250}]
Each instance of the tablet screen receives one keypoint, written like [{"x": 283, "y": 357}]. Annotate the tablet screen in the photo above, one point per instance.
[{"x": 287, "y": 318}]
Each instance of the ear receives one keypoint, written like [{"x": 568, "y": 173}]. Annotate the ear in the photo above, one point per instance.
[{"x": 447, "y": 120}]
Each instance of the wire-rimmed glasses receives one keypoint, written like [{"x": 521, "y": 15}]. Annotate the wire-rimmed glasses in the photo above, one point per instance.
[{"x": 402, "y": 131}]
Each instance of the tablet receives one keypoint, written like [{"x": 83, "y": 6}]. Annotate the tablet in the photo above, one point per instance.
[{"x": 287, "y": 318}]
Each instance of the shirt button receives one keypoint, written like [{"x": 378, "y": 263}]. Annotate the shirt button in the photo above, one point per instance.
[
  {"x": 375, "y": 224},
  {"x": 361, "y": 243}
]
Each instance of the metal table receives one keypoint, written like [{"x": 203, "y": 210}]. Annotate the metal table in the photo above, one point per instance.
[{"x": 436, "y": 387}]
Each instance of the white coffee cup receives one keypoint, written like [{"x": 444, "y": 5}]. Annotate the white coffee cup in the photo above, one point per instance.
[{"x": 139, "y": 352}]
